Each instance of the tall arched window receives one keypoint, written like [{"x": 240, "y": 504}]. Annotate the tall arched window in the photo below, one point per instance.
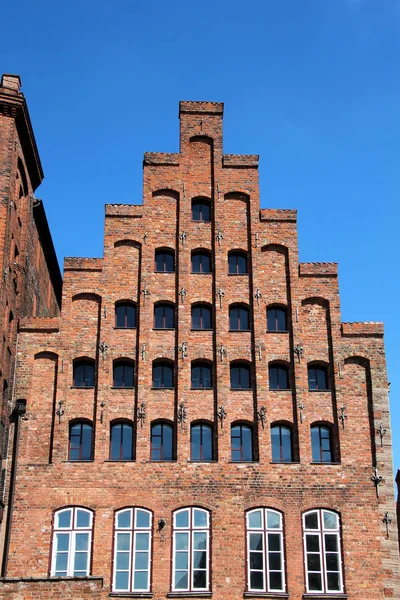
[
  {"x": 281, "y": 441},
  {"x": 201, "y": 316},
  {"x": 164, "y": 260},
  {"x": 123, "y": 373},
  {"x": 201, "y": 261},
  {"x": 239, "y": 317},
  {"x": 164, "y": 315},
  {"x": 201, "y": 442},
  {"x": 321, "y": 443},
  {"x": 80, "y": 440},
  {"x": 278, "y": 376},
  {"x": 201, "y": 209},
  {"x": 276, "y": 318},
  {"x": 125, "y": 315},
  {"x": 132, "y": 550},
  {"x": 163, "y": 374},
  {"x": 265, "y": 551},
  {"x": 317, "y": 377},
  {"x": 72, "y": 542},
  {"x": 201, "y": 375},
  {"x": 191, "y": 550},
  {"x": 161, "y": 441},
  {"x": 242, "y": 443},
  {"x": 240, "y": 376},
  {"x": 237, "y": 261},
  {"x": 324, "y": 570},
  {"x": 121, "y": 441},
  {"x": 83, "y": 372}
]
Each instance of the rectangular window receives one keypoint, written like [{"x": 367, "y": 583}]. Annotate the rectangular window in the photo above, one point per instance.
[{"x": 132, "y": 554}]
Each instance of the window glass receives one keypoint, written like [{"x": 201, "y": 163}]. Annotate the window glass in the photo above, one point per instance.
[
  {"x": 132, "y": 551},
  {"x": 121, "y": 447},
  {"x": 123, "y": 374},
  {"x": 201, "y": 262},
  {"x": 201, "y": 376},
  {"x": 278, "y": 378},
  {"x": 317, "y": 378},
  {"x": 201, "y": 442},
  {"x": 83, "y": 373},
  {"x": 239, "y": 318},
  {"x": 72, "y": 545},
  {"x": 201, "y": 317},
  {"x": 191, "y": 550},
  {"x": 281, "y": 438},
  {"x": 240, "y": 377},
  {"x": 265, "y": 558},
  {"x": 163, "y": 375},
  {"x": 125, "y": 316},
  {"x": 241, "y": 442},
  {"x": 276, "y": 319},
  {"x": 237, "y": 262},
  {"x": 164, "y": 316},
  {"x": 80, "y": 441},
  {"x": 201, "y": 210},
  {"x": 321, "y": 444},
  {"x": 164, "y": 262},
  {"x": 161, "y": 442}
]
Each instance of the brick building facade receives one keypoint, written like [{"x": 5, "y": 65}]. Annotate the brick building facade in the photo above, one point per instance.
[{"x": 199, "y": 422}]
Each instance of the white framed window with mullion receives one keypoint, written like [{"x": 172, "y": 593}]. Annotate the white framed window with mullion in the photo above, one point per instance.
[
  {"x": 72, "y": 542},
  {"x": 191, "y": 550},
  {"x": 322, "y": 552},
  {"x": 132, "y": 550},
  {"x": 265, "y": 551}
]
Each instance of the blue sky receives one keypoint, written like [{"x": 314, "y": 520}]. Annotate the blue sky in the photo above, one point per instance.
[{"x": 312, "y": 86}]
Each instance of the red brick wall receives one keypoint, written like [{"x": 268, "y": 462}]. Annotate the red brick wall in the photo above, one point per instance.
[{"x": 354, "y": 353}]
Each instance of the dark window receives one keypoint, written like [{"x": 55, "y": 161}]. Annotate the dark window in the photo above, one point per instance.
[
  {"x": 164, "y": 262},
  {"x": 317, "y": 378},
  {"x": 278, "y": 377},
  {"x": 125, "y": 315},
  {"x": 161, "y": 442},
  {"x": 201, "y": 210},
  {"x": 276, "y": 319},
  {"x": 239, "y": 318},
  {"x": 281, "y": 439},
  {"x": 242, "y": 443},
  {"x": 201, "y": 317},
  {"x": 237, "y": 263},
  {"x": 201, "y": 261},
  {"x": 83, "y": 373},
  {"x": 201, "y": 442},
  {"x": 240, "y": 376},
  {"x": 164, "y": 316},
  {"x": 80, "y": 441},
  {"x": 163, "y": 375},
  {"x": 121, "y": 447},
  {"x": 321, "y": 442},
  {"x": 201, "y": 375},
  {"x": 123, "y": 374}
]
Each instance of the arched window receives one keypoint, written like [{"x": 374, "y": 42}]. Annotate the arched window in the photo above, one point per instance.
[
  {"x": 161, "y": 441},
  {"x": 265, "y": 551},
  {"x": 83, "y": 372},
  {"x": 201, "y": 442},
  {"x": 278, "y": 376},
  {"x": 317, "y": 377},
  {"x": 191, "y": 550},
  {"x": 121, "y": 441},
  {"x": 125, "y": 315},
  {"x": 281, "y": 441},
  {"x": 80, "y": 441},
  {"x": 72, "y": 542},
  {"x": 201, "y": 375},
  {"x": 201, "y": 209},
  {"x": 321, "y": 533},
  {"x": 164, "y": 260},
  {"x": 240, "y": 376},
  {"x": 132, "y": 550},
  {"x": 237, "y": 261},
  {"x": 201, "y": 316},
  {"x": 276, "y": 318},
  {"x": 201, "y": 261},
  {"x": 163, "y": 374},
  {"x": 321, "y": 443},
  {"x": 164, "y": 316},
  {"x": 123, "y": 373},
  {"x": 239, "y": 317},
  {"x": 242, "y": 443}
]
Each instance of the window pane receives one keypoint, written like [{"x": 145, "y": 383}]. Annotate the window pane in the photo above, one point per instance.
[
  {"x": 273, "y": 378},
  {"x": 120, "y": 316},
  {"x": 142, "y": 518},
  {"x": 122, "y": 581},
  {"x": 275, "y": 581},
  {"x": 124, "y": 541},
  {"x": 321, "y": 379},
  {"x": 196, "y": 212},
  {"x": 283, "y": 378},
  {"x": 141, "y": 560},
  {"x": 86, "y": 443},
  {"x": 195, "y": 442},
  {"x": 333, "y": 582},
  {"x": 315, "y": 444},
  {"x": 169, "y": 262},
  {"x": 244, "y": 319},
  {"x": 330, "y": 520},
  {"x": 247, "y": 443},
  {"x": 256, "y": 541},
  {"x": 241, "y": 264},
  {"x": 273, "y": 520},
  {"x": 199, "y": 560},
  {"x": 234, "y": 319},
  {"x": 142, "y": 541},
  {"x": 80, "y": 562},
  {"x": 62, "y": 542},
  {"x": 116, "y": 431},
  {"x": 81, "y": 541},
  {"x": 207, "y": 442},
  {"x": 130, "y": 316},
  {"x": 312, "y": 379},
  {"x": 157, "y": 376},
  {"x": 124, "y": 519},
  {"x": 332, "y": 561},
  {"x": 256, "y": 580},
  {"x": 313, "y": 562},
  {"x": 159, "y": 317},
  {"x": 274, "y": 559},
  {"x": 169, "y": 317},
  {"x": 235, "y": 382},
  {"x": 182, "y": 519},
  {"x": 274, "y": 542},
  {"x": 127, "y": 448},
  {"x": 206, "y": 265},
  {"x": 199, "y": 579},
  {"x": 281, "y": 319},
  {"x": 64, "y": 518},
  {"x": 140, "y": 581},
  {"x": 276, "y": 444},
  {"x": 167, "y": 442},
  {"x": 62, "y": 562},
  {"x": 312, "y": 543},
  {"x": 206, "y": 314},
  {"x": 199, "y": 518},
  {"x": 168, "y": 376},
  {"x": 256, "y": 560},
  {"x": 331, "y": 542},
  {"x": 181, "y": 541},
  {"x": 199, "y": 540},
  {"x": 181, "y": 580},
  {"x": 286, "y": 444},
  {"x": 196, "y": 377},
  {"x": 254, "y": 519},
  {"x": 122, "y": 562},
  {"x": 271, "y": 319},
  {"x": 196, "y": 314},
  {"x": 314, "y": 582},
  {"x": 206, "y": 211},
  {"x": 182, "y": 560},
  {"x": 244, "y": 378}
]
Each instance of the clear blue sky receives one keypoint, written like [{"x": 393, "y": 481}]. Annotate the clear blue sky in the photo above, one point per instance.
[{"x": 312, "y": 86}]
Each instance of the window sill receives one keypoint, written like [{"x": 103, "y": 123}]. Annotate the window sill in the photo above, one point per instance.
[
  {"x": 202, "y": 462},
  {"x": 163, "y": 328},
  {"x": 201, "y": 329},
  {"x": 201, "y": 389},
  {"x": 239, "y": 330},
  {"x": 237, "y": 274},
  {"x": 124, "y": 327},
  {"x": 324, "y": 390},
  {"x": 165, "y": 389},
  {"x": 326, "y": 463},
  {"x": 199, "y": 273},
  {"x": 265, "y": 595},
  {"x": 88, "y": 460},
  {"x": 189, "y": 595},
  {"x": 241, "y": 389},
  {"x": 165, "y": 272},
  {"x": 117, "y": 460},
  {"x": 124, "y": 387},
  {"x": 243, "y": 462},
  {"x": 282, "y": 390},
  {"x": 162, "y": 461},
  {"x": 131, "y": 595},
  {"x": 329, "y": 596},
  {"x": 285, "y": 462},
  {"x": 277, "y": 331},
  {"x": 82, "y": 387}
]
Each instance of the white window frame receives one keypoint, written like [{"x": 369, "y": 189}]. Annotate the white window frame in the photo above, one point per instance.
[
  {"x": 190, "y": 530},
  {"x": 72, "y": 531},
  {"x": 265, "y": 530},
  {"x": 132, "y": 531},
  {"x": 320, "y": 533}
]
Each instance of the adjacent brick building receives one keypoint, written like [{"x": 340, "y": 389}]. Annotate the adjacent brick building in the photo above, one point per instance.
[{"x": 199, "y": 422}]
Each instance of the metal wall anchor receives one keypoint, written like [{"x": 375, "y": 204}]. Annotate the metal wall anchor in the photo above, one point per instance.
[
  {"x": 262, "y": 415},
  {"x": 60, "y": 411},
  {"x": 219, "y": 237},
  {"x": 182, "y": 348},
  {"x": 377, "y": 480},
  {"x": 143, "y": 351},
  {"x": 387, "y": 520},
  {"x": 103, "y": 347},
  {"x": 222, "y": 352},
  {"x": 342, "y": 416},
  {"x": 220, "y": 292},
  {"x": 145, "y": 292},
  {"x": 381, "y": 431},
  {"x": 301, "y": 408},
  {"x": 102, "y": 404},
  {"x": 182, "y": 414},
  {"x": 299, "y": 351},
  {"x": 258, "y": 295},
  {"x": 182, "y": 293},
  {"x": 221, "y": 414},
  {"x": 141, "y": 414},
  {"x": 183, "y": 237}
]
